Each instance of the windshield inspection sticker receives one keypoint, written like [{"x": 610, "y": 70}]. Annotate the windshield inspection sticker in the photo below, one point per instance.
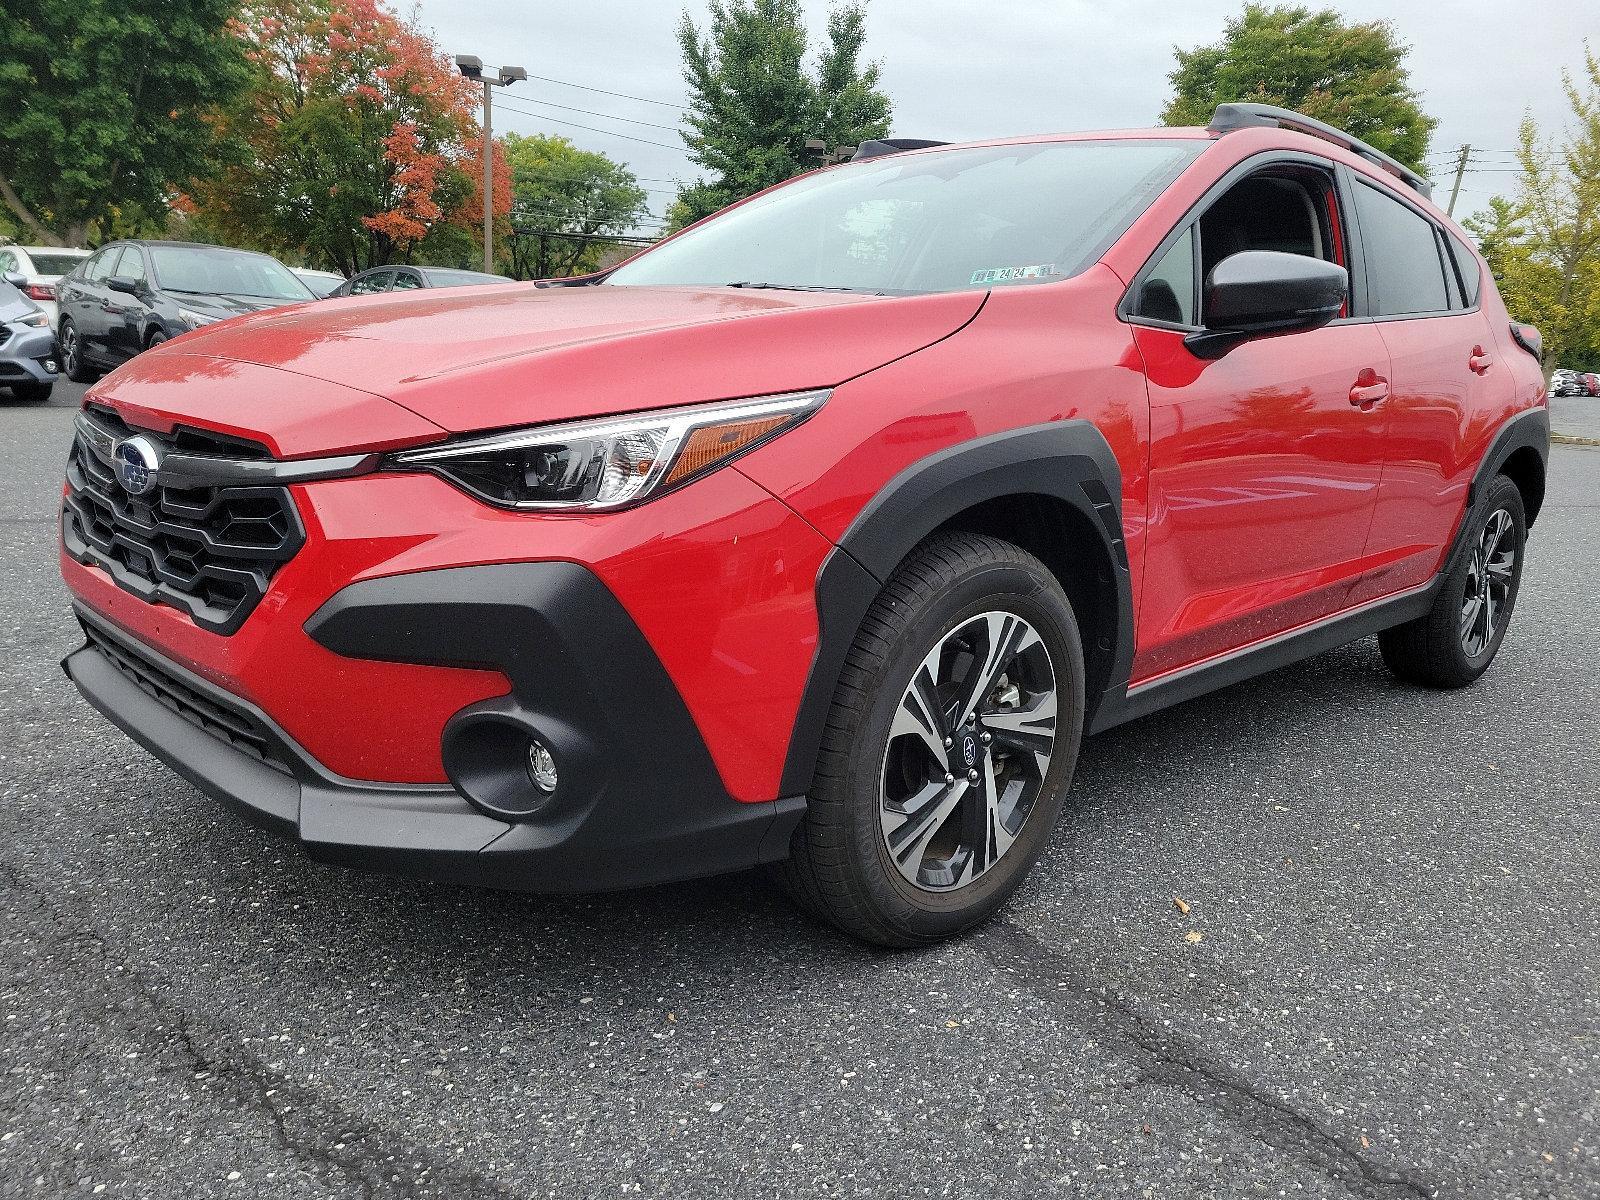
[{"x": 1009, "y": 274}]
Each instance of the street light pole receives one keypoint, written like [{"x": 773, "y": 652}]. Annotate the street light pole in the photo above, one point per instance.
[{"x": 471, "y": 66}]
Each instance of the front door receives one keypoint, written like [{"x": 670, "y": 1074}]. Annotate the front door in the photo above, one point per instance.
[{"x": 1264, "y": 463}]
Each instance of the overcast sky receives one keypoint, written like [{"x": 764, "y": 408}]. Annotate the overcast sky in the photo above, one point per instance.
[{"x": 959, "y": 69}]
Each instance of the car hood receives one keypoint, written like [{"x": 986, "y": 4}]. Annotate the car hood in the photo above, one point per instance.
[
  {"x": 11, "y": 310},
  {"x": 498, "y": 355}
]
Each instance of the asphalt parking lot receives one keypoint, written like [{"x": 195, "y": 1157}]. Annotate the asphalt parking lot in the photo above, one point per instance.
[{"x": 1394, "y": 990}]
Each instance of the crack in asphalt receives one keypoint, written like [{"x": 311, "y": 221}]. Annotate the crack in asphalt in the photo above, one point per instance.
[
  {"x": 1165, "y": 1058},
  {"x": 309, "y": 1129}
]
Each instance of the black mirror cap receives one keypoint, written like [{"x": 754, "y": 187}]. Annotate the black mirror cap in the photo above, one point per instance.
[
  {"x": 121, "y": 283},
  {"x": 1259, "y": 292}
]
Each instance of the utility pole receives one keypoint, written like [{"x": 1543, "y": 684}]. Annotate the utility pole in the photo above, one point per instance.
[
  {"x": 1461, "y": 169},
  {"x": 472, "y": 67}
]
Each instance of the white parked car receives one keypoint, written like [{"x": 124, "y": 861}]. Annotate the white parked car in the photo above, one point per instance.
[
  {"x": 320, "y": 282},
  {"x": 41, "y": 268}
]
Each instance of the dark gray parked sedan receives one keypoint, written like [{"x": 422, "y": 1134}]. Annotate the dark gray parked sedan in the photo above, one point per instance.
[{"x": 28, "y": 363}]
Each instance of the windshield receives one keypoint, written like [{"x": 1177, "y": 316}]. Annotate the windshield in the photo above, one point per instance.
[
  {"x": 930, "y": 222},
  {"x": 219, "y": 272},
  {"x": 55, "y": 264}
]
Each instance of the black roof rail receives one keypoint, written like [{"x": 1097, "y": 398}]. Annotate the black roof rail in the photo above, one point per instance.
[
  {"x": 877, "y": 148},
  {"x": 1229, "y": 117}
]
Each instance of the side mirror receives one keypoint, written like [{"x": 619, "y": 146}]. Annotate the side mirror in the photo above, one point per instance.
[
  {"x": 16, "y": 280},
  {"x": 121, "y": 283},
  {"x": 1259, "y": 292}
]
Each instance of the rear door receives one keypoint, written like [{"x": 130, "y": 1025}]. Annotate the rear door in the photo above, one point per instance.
[
  {"x": 1264, "y": 463},
  {"x": 87, "y": 302},
  {"x": 1444, "y": 368}
]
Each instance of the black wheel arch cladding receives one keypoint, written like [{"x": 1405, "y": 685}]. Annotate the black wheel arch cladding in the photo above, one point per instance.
[{"x": 1068, "y": 461}]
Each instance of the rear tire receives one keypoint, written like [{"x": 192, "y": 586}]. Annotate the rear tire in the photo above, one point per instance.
[
  {"x": 32, "y": 393},
  {"x": 72, "y": 362},
  {"x": 1456, "y": 640},
  {"x": 896, "y": 847}
]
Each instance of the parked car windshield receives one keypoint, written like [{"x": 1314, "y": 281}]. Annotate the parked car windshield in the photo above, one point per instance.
[
  {"x": 54, "y": 264},
  {"x": 214, "y": 271},
  {"x": 929, "y": 222}
]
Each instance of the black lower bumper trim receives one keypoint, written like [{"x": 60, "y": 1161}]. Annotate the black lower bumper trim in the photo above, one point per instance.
[{"x": 425, "y": 831}]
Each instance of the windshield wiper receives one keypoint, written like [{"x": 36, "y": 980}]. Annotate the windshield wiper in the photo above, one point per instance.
[{"x": 798, "y": 287}]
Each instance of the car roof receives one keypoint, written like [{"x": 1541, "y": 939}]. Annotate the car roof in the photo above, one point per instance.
[{"x": 50, "y": 250}]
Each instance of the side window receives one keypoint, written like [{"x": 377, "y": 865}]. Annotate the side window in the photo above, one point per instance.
[
  {"x": 405, "y": 280},
  {"x": 378, "y": 281},
  {"x": 131, "y": 265},
  {"x": 1405, "y": 273},
  {"x": 8, "y": 261},
  {"x": 1467, "y": 267},
  {"x": 1169, "y": 292},
  {"x": 99, "y": 267}
]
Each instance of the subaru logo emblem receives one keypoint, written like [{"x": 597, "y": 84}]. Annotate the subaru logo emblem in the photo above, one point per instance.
[
  {"x": 136, "y": 460},
  {"x": 969, "y": 750}
]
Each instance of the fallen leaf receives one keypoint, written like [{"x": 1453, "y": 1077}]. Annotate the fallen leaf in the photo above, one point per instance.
[
  {"x": 1364, "y": 1143},
  {"x": 952, "y": 1024},
  {"x": 1183, "y": 905},
  {"x": 1548, "y": 1157},
  {"x": 673, "y": 1017},
  {"x": 1145, "y": 1129},
  {"x": 1194, "y": 937}
]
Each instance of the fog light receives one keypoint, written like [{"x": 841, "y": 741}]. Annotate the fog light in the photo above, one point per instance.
[
  {"x": 541, "y": 766},
  {"x": 50, "y": 365}
]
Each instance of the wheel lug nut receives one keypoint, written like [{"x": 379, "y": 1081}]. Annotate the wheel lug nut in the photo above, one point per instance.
[
  {"x": 986, "y": 738},
  {"x": 972, "y": 777},
  {"x": 949, "y": 778},
  {"x": 948, "y": 743}
]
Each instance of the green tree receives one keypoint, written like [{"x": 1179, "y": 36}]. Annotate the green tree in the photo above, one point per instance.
[
  {"x": 1544, "y": 245},
  {"x": 1349, "y": 75},
  {"x": 754, "y": 99},
  {"x": 363, "y": 145},
  {"x": 564, "y": 203},
  {"x": 105, "y": 107}
]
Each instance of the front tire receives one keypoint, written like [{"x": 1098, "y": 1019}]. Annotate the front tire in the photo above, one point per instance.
[
  {"x": 72, "y": 361},
  {"x": 950, "y": 746},
  {"x": 1456, "y": 640},
  {"x": 32, "y": 393}
]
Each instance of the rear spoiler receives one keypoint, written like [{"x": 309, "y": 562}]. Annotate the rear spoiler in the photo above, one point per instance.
[{"x": 1229, "y": 117}]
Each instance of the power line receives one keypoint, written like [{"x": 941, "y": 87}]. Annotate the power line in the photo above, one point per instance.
[
  {"x": 609, "y": 132},
  {"x": 620, "y": 95},
  {"x": 589, "y": 112}
]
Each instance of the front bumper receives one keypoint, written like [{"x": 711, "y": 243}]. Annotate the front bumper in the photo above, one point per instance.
[
  {"x": 640, "y": 801},
  {"x": 24, "y": 355}
]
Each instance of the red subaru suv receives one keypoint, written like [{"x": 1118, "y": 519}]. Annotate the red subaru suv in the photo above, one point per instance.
[{"x": 819, "y": 534}]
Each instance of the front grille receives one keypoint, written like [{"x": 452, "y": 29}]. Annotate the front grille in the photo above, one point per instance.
[
  {"x": 236, "y": 727},
  {"x": 210, "y": 551}
]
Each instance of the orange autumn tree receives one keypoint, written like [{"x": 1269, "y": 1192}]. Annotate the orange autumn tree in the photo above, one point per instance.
[{"x": 361, "y": 145}]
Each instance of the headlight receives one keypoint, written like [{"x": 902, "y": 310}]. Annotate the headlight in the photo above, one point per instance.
[
  {"x": 193, "y": 319},
  {"x": 612, "y": 462},
  {"x": 38, "y": 320}
]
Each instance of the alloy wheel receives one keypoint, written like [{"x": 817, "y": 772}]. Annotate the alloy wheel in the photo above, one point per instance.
[
  {"x": 968, "y": 751},
  {"x": 69, "y": 349},
  {"x": 1490, "y": 572}
]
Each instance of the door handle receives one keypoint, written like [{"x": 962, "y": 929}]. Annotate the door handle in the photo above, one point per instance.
[
  {"x": 1370, "y": 387},
  {"x": 1479, "y": 361}
]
